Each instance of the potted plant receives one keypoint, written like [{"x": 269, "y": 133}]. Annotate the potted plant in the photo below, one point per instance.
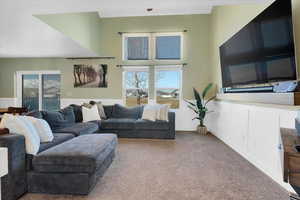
[{"x": 200, "y": 107}]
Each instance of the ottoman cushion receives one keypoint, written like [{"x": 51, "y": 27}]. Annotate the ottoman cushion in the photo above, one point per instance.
[{"x": 83, "y": 154}]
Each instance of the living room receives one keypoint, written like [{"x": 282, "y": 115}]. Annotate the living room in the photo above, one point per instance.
[{"x": 136, "y": 58}]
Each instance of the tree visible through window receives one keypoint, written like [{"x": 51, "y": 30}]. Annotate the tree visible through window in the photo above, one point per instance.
[{"x": 136, "y": 87}]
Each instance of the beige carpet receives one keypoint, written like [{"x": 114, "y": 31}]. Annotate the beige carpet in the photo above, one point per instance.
[{"x": 192, "y": 167}]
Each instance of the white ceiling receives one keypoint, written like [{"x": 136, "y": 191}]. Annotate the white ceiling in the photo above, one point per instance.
[{"x": 22, "y": 35}]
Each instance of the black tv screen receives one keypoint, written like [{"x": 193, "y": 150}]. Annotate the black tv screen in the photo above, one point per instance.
[{"x": 263, "y": 51}]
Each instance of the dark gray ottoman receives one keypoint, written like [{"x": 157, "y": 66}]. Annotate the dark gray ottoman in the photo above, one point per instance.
[{"x": 72, "y": 167}]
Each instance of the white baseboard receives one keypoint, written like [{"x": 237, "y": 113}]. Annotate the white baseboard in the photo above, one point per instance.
[
  {"x": 7, "y": 102},
  {"x": 184, "y": 115}
]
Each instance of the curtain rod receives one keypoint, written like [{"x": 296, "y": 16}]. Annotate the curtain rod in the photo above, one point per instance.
[
  {"x": 184, "y": 31},
  {"x": 134, "y": 65},
  {"x": 90, "y": 58}
]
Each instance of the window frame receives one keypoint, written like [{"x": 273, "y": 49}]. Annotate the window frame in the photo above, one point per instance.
[
  {"x": 19, "y": 85},
  {"x": 126, "y": 69},
  {"x": 178, "y": 68},
  {"x": 155, "y": 35},
  {"x": 126, "y": 35}
]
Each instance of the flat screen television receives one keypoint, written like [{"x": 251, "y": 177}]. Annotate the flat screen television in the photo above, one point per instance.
[{"x": 263, "y": 51}]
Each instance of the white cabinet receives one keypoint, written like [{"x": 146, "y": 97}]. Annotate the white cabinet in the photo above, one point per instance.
[{"x": 253, "y": 130}]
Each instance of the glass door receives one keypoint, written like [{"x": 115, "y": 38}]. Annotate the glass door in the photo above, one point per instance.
[
  {"x": 38, "y": 90},
  {"x": 51, "y": 91},
  {"x": 30, "y": 91}
]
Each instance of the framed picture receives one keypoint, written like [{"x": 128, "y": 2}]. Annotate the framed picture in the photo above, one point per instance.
[{"x": 90, "y": 76}]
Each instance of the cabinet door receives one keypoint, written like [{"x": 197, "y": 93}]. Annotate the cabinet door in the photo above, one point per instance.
[{"x": 263, "y": 140}]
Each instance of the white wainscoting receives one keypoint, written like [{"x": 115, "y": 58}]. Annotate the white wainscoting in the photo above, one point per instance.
[
  {"x": 184, "y": 115},
  {"x": 7, "y": 102},
  {"x": 253, "y": 130}
]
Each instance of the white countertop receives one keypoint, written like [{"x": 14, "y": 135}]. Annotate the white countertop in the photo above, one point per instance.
[{"x": 3, "y": 162}]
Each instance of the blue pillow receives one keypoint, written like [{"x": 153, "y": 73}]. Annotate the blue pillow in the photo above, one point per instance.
[{"x": 60, "y": 119}]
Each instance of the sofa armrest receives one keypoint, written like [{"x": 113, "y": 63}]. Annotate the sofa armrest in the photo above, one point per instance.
[
  {"x": 14, "y": 184},
  {"x": 172, "y": 118}
]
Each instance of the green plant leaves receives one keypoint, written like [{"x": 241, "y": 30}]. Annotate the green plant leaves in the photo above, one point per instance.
[
  {"x": 198, "y": 99},
  {"x": 208, "y": 87}
]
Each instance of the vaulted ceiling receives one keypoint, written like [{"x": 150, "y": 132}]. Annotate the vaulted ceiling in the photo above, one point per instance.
[{"x": 22, "y": 34}]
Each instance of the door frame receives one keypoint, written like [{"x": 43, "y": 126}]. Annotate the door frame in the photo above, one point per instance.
[{"x": 19, "y": 84}]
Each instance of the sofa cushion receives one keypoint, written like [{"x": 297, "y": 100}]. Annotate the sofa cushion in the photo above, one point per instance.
[
  {"x": 129, "y": 113},
  {"x": 83, "y": 154},
  {"x": 58, "y": 139},
  {"x": 60, "y": 119},
  {"x": 35, "y": 113},
  {"x": 79, "y": 129},
  {"x": 117, "y": 124},
  {"x": 141, "y": 124}
]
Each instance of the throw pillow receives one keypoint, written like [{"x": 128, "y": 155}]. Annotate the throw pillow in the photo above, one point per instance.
[
  {"x": 43, "y": 129},
  {"x": 101, "y": 110},
  {"x": 129, "y": 113},
  {"x": 19, "y": 125},
  {"x": 150, "y": 113},
  {"x": 90, "y": 114},
  {"x": 77, "y": 112},
  {"x": 163, "y": 113},
  {"x": 55, "y": 120},
  {"x": 68, "y": 114},
  {"x": 99, "y": 106}
]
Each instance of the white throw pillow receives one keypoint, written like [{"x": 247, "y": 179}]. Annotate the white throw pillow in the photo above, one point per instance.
[
  {"x": 43, "y": 129},
  {"x": 19, "y": 125},
  {"x": 90, "y": 114},
  {"x": 164, "y": 112},
  {"x": 150, "y": 113}
]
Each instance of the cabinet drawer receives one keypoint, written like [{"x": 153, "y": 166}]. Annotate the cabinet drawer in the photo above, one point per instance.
[
  {"x": 294, "y": 164},
  {"x": 294, "y": 179}
]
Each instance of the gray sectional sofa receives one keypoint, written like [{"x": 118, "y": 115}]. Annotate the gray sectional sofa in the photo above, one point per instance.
[
  {"x": 80, "y": 152},
  {"x": 127, "y": 123}
]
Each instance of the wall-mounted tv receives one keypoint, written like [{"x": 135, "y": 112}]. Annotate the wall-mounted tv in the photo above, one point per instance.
[{"x": 263, "y": 51}]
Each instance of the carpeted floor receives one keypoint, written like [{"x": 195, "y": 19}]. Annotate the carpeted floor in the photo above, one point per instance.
[{"x": 192, "y": 167}]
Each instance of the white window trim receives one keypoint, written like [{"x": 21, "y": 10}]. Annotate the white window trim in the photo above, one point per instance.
[
  {"x": 169, "y": 68},
  {"x": 133, "y": 69},
  {"x": 167, "y": 34},
  {"x": 19, "y": 86},
  {"x": 152, "y": 45},
  {"x": 136, "y": 35}
]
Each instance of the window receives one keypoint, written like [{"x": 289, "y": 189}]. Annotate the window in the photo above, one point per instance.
[
  {"x": 38, "y": 90},
  {"x": 150, "y": 46},
  {"x": 136, "y": 47},
  {"x": 135, "y": 85},
  {"x": 168, "y": 46},
  {"x": 168, "y": 85}
]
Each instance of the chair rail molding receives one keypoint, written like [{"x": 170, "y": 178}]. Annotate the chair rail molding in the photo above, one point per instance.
[{"x": 7, "y": 102}]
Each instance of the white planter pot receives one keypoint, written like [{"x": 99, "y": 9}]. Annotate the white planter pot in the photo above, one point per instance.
[{"x": 202, "y": 130}]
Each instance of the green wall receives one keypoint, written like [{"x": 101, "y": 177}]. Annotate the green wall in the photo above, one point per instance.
[
  {"x": 84, "y": 28},
  {"x": 227, "y": 20},
  {"x": 196, "y": 53}
]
